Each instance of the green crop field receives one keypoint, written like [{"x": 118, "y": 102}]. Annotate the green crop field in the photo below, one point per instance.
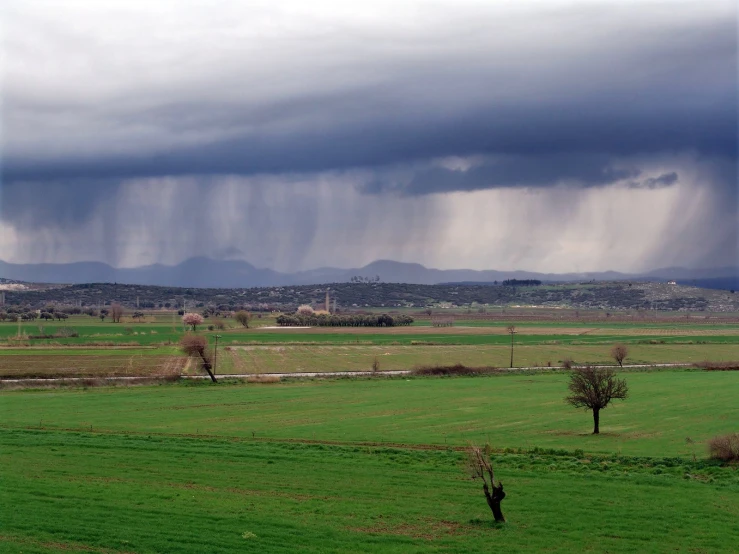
[
  {"x": 512, "y": 410},
  {"x": 86, "y": 492},
  {"x": 367, "y": 465}
]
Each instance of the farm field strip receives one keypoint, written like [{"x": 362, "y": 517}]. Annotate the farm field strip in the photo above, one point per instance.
[
  {"x": 511, "y": 410},
  {"x": 439, "y": 336},
  {"x": 31, "y": 366},
  {"x": 288, "y": 358},
  {"x": 524, "y": 329}
]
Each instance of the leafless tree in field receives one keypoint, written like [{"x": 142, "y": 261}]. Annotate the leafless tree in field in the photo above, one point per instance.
[
  {"x": 480, "y": 467},
  {"x": 619, "y": 353},
  {"x": 593, "y": 388},
  {"x": 197, "y": 345},
  {"x": 116, "y": 312}
]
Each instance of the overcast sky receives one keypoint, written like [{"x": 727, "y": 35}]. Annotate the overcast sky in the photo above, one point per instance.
[{"x": 543, "y": 135}]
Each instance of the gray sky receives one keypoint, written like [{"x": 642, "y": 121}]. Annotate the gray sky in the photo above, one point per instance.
[{"x": 551, "y": 136}]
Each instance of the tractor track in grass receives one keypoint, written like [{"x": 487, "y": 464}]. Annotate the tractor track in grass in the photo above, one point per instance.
[{"x": 232, "y": 439}]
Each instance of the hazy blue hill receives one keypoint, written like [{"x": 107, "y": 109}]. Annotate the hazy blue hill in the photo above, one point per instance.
[{"x": 206, "y": 272}]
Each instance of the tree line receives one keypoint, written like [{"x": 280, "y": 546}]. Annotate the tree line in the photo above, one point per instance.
[{"x": 334, "y": 320}]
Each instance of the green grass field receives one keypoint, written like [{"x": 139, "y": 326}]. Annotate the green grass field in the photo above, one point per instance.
[
  {"x": 87, "y": 492},
  {"x": 521, "y": 411},
  {"x": 367, "y": 465}
]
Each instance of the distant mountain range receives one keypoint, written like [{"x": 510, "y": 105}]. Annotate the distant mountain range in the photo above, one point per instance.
[{"x": 204, "y": 272}]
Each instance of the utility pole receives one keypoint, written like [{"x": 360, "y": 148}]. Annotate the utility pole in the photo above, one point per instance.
[
  {"x": 215, "y": 355},
  {"x": 512, "y": 331}
]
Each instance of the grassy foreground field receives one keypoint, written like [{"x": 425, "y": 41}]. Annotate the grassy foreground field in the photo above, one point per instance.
[
  {"x": 84, "y": 492},
  {"x": 309, "y": 467}
]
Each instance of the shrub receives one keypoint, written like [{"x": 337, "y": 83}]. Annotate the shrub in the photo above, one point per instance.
[
  {"x": 452, "y": 370},
  {"x": 725, "y": 447},
  {"x": 718, "y": 366},
  {"x": 67, "y": 332},
  {"x": 266, "y": 379},
  {"x": 567, "y": 363}
]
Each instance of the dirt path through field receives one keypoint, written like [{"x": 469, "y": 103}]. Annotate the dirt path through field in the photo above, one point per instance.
[{"x": 314, "y": 374}]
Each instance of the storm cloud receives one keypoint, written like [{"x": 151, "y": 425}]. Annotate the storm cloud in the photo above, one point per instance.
[
  {"x": 300, "y": 113},
  {"x": 533, "y": 171}
]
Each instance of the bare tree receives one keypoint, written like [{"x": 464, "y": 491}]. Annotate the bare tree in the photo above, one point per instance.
[
  {"x": 243, "y": 317},
  {"x": 593, "y": 388},
  {"x": 619, "y": 353},
  {"x": 511, "y": 329},
  {"x": 197, "y": 345},
  {"x": 116, "y": 312},
  {"x": 480, "y": 467}
]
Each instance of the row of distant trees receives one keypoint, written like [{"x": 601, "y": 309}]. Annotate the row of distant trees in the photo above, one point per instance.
[
  {"x": 521, "y": 283},
  {"x": 114, "y": 311},
  {"x": 334, "y": 320}
]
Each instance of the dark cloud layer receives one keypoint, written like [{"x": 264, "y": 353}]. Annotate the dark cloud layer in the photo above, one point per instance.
[
  {"x": 538, "y": 134},
  {"x": 664, "y": 180},
  {"x": 659, "y": 88},
  {"x": 585, "y": 171}
]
